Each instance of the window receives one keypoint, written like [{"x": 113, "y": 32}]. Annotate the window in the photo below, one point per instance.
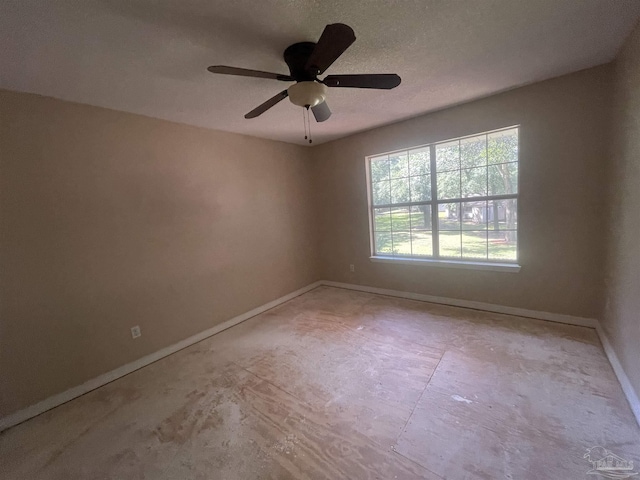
[{"x": 455, "y": 200}]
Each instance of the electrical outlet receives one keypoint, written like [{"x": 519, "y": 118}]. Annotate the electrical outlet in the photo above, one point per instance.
[
  {"x": 352, "y": 267},
  {"x": 135, "y": 332}
]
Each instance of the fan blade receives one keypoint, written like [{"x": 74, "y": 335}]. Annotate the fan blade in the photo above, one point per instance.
[
  {"x": 267, "y": 105},
  {"x": 243, "y": 72},
  {"x": 335, "y": 39},
  {"x": 321, "y": 112},
  {"x": 384, "y": 81}
]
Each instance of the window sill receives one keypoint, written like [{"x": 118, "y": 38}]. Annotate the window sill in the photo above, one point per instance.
[{"x": 488, "y": 266}]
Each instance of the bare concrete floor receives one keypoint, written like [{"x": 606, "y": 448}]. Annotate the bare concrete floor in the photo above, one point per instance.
[{"x": 337, "y": 384}]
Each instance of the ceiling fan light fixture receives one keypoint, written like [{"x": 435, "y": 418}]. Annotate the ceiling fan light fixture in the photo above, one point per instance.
[{"x": 308, "y": 93}]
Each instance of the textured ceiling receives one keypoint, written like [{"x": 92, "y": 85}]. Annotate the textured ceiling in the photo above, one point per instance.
[{"x": 150, "y": 56}]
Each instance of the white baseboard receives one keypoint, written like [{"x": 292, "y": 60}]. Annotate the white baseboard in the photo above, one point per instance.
[
  {"x": 63, "y": 397},
  {"x": 625, "y": 383},
  {"x": 489, "y": 307}
]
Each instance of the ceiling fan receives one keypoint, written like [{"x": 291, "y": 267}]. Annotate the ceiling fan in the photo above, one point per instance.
[{"x": 307, "y": 60}]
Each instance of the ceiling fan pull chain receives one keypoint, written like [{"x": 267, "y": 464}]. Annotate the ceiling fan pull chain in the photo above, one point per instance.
[
  {"x": 304, "y": 122},
  {"x": 309, "y": 124}
]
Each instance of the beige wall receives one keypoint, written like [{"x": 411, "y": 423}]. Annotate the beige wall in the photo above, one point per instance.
[
  {"x": 622, "y": 310},
  {"x": 110, "y": 220},
  {"x": 563, "y": 142}
]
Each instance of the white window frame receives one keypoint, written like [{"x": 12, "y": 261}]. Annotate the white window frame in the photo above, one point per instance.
[{"x": 436, "y": 260}]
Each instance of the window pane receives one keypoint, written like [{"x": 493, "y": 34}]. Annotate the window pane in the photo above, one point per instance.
[
  {"x": 503, "y": 179},
  {"x": 421, "y": 235},
  {"x": 474, "y": 244},
  {"x": 422, "y": 242},
  {"x": 398, "y": 165},
  {"x": 448, "y": 184},
  {"x": 466, "y": 172},
  {"x": 383, "y": 243},
  {"x": 420, "y": 188},
  {"x": 473, "y": 151},
  {"x": 381, "y": 193},
  {"x": 380, "y": 168},
  {"x": 503, "y": 245},
  {"x": 449, "y": 244},
  {"x": 421, "y": 217},
  {"x": 474, "y": 215},
  {"x": 420, "y": 161},
  {"x": 502, "y": 146},
  {"x": 400, "y": 190},
  {"x": 448, "y": 216},
  {"x": 502, "y": 214},
  {"x": 474, "y": 182},
  {"x": 381, "y": 219},
  {"x": 401, "y": 243},
  {"x": 400, "y": 219},
  {"x": 448, "y": 156}
]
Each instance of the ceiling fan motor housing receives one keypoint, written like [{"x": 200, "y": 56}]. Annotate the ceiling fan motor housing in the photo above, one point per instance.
[{"x": 296, "y": 56}]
